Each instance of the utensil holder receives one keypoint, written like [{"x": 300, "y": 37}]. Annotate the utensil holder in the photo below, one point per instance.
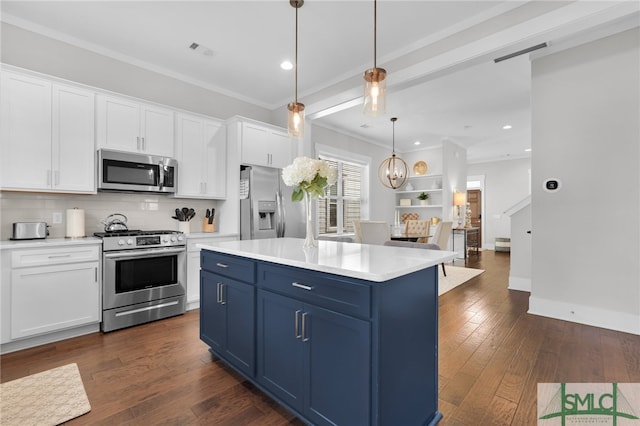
[
  {"x": 184, "y": 227},
  {"x": 208, "y": 227}
]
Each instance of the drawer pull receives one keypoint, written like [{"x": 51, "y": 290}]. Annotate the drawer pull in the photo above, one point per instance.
[
  {"x": 58, "y": 256},
  {"x": 222, "y": 265},
  {"x": 297, "y": 324},
  {"x": 302, "y": 286},
  {"x": 304, "y": 326}
]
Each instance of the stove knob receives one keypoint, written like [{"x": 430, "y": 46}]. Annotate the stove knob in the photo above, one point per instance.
[
  {"x": 180, "y": 237},
  {"x": 173, "y": 239},
  {"x": 165, "y": 240},
  {"x": 120, "y": 242},
  {"x": 129, "y": 241}
]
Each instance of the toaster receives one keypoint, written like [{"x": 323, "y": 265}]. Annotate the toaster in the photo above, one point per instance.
[{"x": 30, "y": 230}]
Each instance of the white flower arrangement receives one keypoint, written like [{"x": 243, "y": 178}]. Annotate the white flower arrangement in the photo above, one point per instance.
[{"x": 308, "y": 176}]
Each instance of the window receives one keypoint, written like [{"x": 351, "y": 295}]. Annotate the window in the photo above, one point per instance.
[{"x": 343, "y": 201}]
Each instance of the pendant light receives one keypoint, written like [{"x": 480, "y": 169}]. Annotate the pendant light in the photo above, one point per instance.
[
  {"x": 296, "y": 109},
  {"x": 375, "y": 83},
  {"x": 393, "y": 172}
]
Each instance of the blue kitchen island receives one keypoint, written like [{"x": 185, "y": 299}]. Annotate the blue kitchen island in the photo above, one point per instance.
[{"x": 342, "y": 334}]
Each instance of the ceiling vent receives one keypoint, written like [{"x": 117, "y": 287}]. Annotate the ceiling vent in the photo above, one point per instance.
[{"x": 203, "y": 50}]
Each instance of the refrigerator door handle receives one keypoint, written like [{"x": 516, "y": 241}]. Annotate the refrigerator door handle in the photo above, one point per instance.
[{"x": 280, "y": 212}]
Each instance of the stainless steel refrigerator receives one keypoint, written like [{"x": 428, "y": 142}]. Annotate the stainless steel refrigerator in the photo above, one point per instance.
[{"x": 266, "y": 209}]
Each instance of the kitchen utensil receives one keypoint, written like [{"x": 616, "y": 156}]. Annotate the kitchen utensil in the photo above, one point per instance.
[
  {"x": 115, "y": 222},
  {"x": 213, "y": 213},
  {"x": 185, "y": 212},
  {"x": 207, "y": 215},
  {"x": 191, "y": 214}
]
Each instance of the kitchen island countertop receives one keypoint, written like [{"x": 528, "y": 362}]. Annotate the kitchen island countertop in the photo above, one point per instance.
[{"x": 364, "y": 261}]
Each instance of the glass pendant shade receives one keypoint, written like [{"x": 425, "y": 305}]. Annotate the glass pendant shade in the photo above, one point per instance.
[
  {"x": 375, "y": 88},
  {"x": 393, "y": 172},
  {"x": 296, "y": 120}
]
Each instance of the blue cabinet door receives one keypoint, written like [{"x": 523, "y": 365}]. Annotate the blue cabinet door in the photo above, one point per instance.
[
  {"x": 338, "y": 368},
  {"x": 280, "y": 351},
  {"x": 212, "y": 313},
  {"x": 227, "y": 319},
  {"x": 239, "y": 300}
]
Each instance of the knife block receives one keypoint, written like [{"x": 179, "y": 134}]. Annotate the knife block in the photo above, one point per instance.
[{"x": 208, "y": 227}]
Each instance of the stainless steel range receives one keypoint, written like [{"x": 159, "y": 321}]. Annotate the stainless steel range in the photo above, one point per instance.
[{"x": 144, "y": 277}]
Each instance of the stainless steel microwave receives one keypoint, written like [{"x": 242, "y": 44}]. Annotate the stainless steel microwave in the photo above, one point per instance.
[{"x": 132, "y": 172}]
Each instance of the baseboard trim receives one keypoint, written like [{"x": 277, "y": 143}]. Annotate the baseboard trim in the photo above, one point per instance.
[
  {"x": 519, "y": 283},
  {"x": 612, "y": 320},
  {"x": 30, "y": 342}
]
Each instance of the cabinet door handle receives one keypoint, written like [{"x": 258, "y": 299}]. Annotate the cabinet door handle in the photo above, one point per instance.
[
  {"x": 218, "y": 292},
  {"x": 138, "y": 143},
  {"x": 144, "y": 144},
  {"x": 96, "y": 269},
  {"x": 302, "y": 286},
  {"x": 222, "y": 298},
  {"x": 304, "y": 326},
  {"x": 222, "y": 265},
  {"x": 48, "y": 177},
  {"x": 297, "y": 324},
  {"x": 56, "y": 177}
]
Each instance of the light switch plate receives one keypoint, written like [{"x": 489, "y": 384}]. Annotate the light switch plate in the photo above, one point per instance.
[{"x": 57, "y": 217}]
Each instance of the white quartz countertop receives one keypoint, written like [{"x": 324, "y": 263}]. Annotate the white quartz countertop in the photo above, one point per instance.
[
  {"x": 363, "y": 261},
  {"x": 48, "y": 242}
]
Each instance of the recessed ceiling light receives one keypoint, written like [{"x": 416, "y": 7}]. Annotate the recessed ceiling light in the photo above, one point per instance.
[
  {"x": 527, "y": 150},
  {"x": 365, "y": 126},
  {"x": 286, "y": 65},
  {"x": 506, "y": 127},
  {"x": 416, "y": 143}
]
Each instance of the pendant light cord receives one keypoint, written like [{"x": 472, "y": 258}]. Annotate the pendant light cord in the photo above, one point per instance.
[
  {"x": 296, "y": 71},
  {"x": 375, "y": 31}
]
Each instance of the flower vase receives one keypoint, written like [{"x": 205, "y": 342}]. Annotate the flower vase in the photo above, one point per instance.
[{"x": 309, "y": 241}]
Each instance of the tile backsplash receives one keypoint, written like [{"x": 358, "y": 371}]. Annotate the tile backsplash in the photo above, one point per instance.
[{"x": 143, "y": 211}]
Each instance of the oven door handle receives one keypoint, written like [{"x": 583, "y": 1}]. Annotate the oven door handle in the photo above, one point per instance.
[{"x": 142, "y": 253}]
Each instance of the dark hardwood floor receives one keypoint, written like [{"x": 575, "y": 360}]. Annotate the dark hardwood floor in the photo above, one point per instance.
[{"x": 492, "y": 355}]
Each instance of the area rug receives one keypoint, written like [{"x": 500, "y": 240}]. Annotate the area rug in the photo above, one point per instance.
[
  {"x": 47, "y": 398},
  {"x": 455, "y": 276}
]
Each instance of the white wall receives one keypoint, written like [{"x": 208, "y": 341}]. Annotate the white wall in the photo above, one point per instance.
[
  {"x": 586, "y": 132},
  {"x": 33, "y": 51},
  {"x": 381, "y": 199},
  {"x": 506, "y": 183},
  {"x": 520, "y": 256}
]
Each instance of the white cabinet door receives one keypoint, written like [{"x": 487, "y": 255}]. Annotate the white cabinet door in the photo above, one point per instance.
[
  {"x": 215, "y": 156},
  {"x": 189, "y": 137},
  {"x": 156, "y": 131},
  {"x": 201, "y": 153},
  {"x": 255, "y": 145},
  {"x": 25, "y": 114},
  {"x": 51, "y": 298},
  {"x": 117, "y": 124},
  {"x": 126, "y": 125},
  {"x": 264, "y": 146},
  {"x": 73, "y": 148},
  {"x": 280, "y": 144}
]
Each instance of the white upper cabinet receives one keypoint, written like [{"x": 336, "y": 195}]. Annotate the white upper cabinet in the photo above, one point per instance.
[
  {"x": 264, "y": 145},
  {"x": 126, "y": 125},
  {"x": 201, "y": 151},
  {"x": 47, "y": 135}
]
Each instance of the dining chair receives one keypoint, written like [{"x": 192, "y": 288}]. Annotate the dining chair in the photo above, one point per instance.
[
  {"x": 374, "y": 232},
  {"x": 442, "y": 234},
  {"x": 409, "y": 244},
  {"x": 419, "y": 228}
]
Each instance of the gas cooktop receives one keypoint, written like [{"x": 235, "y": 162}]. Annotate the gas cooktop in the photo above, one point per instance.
[{"x": 132, "y": 233}]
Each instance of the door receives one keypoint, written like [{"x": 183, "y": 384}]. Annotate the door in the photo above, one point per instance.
[
  {"x": 239, "y": 301},
  {"x": 280, "y": 352},
  {"x": 117, "y": 124},
  {"x": 339, "y": 367},
  {"x": 25, "y": 148},
  {"x": 474, "y": 198},
  {"x": 156, "y": 131},
  {"x": 73, "y": 152},
  {"x": 212, "y": 313}
]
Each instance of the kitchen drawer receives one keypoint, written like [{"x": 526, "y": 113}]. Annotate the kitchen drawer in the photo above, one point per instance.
[
  {"x": 325, "y": 290},
  {"x": 39, "y": 257},
  {"x": 229, "y": 266}
]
